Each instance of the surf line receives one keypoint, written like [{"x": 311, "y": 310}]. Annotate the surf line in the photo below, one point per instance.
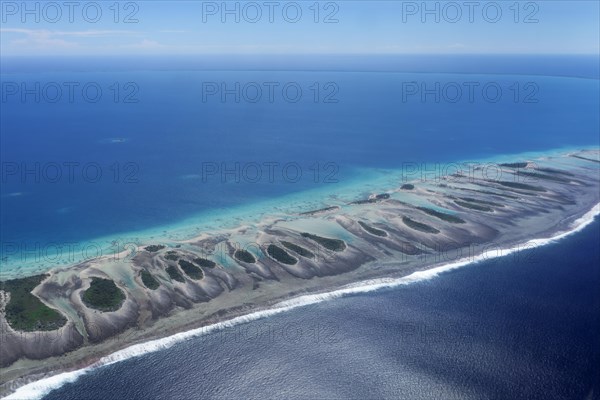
[{"x": 40, "y": 388}]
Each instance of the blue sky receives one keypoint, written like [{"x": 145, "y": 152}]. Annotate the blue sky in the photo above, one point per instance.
[{"x": 274, "y": 27}]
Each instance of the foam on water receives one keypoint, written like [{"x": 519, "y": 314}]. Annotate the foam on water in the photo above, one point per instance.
[{"x": 39, "y": 389}]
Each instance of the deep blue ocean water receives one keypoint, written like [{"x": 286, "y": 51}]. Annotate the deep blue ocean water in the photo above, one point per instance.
[
  {"x": 519, "y": 329},
  {"x": 151, "y": 153},
  {"x": 524, "y": 326}
]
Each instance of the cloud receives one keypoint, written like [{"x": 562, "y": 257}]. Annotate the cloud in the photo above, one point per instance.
[
  {"x": 49, "y": 33},
  {"x": 458, "y": 46},
  {"x": 145, "y": 44},
  {"x": 48, "y": 40}
]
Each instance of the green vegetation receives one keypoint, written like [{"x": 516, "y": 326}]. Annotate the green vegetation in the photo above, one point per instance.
[
  {"x": 203, "y": 262},
  {"x": 524, "y": 186},
  {"x": 280, "y": 255},
  {"x": 372, "y": 230},
  {"x": 443, "y": 216},
  {"x": 407, "y": 186},
  {"x": 24, "y": 311},
  {"x": 515, "y": 165},
  {"x": 331, "y": 244},
  {"x": 174, "y": 274},
  {"x": 191, "y": 270},
  {"x": 171, "y": 255},
  {"x": 149, "y": 281},
  {"x": 419, "y": 226},
  {"x": 301, "y": 251},
  {"x": 154, "y": 248},
  {"x": 245, "y": 256},
  {"x": 103, "y": 295},
  {"x": 473, "y": 206}
]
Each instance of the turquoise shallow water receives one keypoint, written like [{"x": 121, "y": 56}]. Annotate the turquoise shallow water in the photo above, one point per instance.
[
  {"x": 365, "y": 183},
  {"x": 460, "y": 336},
  {"x": 164, "y": 140}
]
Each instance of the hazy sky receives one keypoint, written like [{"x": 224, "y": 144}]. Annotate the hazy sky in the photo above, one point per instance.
[{"x": 198, "y": 27}]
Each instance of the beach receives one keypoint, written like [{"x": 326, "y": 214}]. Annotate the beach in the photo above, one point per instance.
[{"x": 399, "y": 241}]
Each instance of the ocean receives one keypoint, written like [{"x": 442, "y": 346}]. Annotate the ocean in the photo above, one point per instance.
[
  {"x": 522, "y": 326},
  {"x": 169, "y": 150},
  {"x": 94, "y": 156}
]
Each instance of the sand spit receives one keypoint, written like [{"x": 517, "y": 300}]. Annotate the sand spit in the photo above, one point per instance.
[{"x": 384, "y": 236}]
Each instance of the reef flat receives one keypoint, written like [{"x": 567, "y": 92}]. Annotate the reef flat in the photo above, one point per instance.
[{"x": 73, "y": 316}]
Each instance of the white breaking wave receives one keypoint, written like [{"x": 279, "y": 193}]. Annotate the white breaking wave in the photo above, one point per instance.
[{"x": 39, "y": 389}]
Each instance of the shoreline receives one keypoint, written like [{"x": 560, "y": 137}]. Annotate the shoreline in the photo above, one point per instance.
[
  {"x": 188, "y": 229},
  {"x": 347, "y": 259},
  {"x": 39, "y": 388}
]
